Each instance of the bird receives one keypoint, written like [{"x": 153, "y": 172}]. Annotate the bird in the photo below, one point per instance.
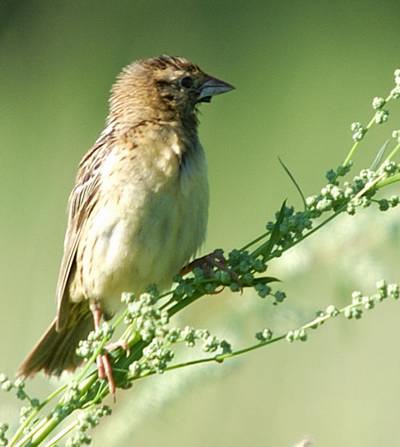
[{"x": 138, "y": 211}]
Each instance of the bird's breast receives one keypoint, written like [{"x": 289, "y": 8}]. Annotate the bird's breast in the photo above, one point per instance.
[{"x": 150, "y": 219}]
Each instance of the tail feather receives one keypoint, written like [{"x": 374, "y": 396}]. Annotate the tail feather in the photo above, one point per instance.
[{"x": 55, "y": 352}]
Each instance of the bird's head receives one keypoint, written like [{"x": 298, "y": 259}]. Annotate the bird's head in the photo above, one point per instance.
[{"x": 165, "y": 88}]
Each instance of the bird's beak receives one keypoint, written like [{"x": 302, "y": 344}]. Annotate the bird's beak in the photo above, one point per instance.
[{"x": 211, "y": 87}]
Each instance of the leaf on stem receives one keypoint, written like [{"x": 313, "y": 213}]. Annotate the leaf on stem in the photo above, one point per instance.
[{"x": 294, "y": 181}]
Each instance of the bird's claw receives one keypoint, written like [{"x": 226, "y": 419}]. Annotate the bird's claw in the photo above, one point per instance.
[
  {"x": 208, "y": 263},
  {"x": 122, "y": 344}
]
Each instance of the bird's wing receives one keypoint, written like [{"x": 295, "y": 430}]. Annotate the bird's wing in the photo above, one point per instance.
[{"x": 81, "y": 203}]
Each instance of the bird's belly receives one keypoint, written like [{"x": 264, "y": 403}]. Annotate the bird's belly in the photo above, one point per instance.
[{"x": 141, "y": 238}]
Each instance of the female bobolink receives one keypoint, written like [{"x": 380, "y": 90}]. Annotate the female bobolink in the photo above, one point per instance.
[{"x": 138, "y": 211}]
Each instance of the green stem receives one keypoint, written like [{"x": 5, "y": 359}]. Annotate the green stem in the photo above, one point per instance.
[
  {"x": 42, "y": 434},
  {"x": 34, "y": 413},
  {"x": 393, "y": 153},
  {"x": 34, "y": 430},
  {"x": 356, "y": 144},
  {"x": 23, "y": 426},
  {"x": 388, "y": 181},
  {"x": 261, "y": 248},
  {"x": 53, "y": 441},
  {"x": 222, "y": 357}
]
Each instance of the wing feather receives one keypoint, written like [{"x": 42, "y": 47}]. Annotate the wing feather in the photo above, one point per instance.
[{"x": 81, "y": 203}]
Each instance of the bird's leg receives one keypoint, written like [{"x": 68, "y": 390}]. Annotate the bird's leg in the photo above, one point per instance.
[
  {"x": 118, "y": 344},
  {"x": 208, "y": 262},
  {"x": 96, "y": 312},
  {"x": 104, "y": 368}
]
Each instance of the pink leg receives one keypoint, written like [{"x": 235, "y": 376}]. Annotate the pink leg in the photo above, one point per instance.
[
  {"x": 96, "y": 311},
  {"x": 207, "y": 262},
  {"x": 118, "y": 344},
  {"x": 104, "y": 368}
]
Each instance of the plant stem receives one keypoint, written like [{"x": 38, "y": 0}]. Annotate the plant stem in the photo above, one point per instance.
[
  {"x": 53, "y": 441},
  {"x": 314, "y": 323},
  {"x": 356, "y": 144}
]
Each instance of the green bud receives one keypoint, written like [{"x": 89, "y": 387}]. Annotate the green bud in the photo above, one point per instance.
[
  {"x": 384, "y": 205},
  {"x": 359, "y": 134},
  {"x": 127, "y": 298},
  {"x": 290, "y": 336},
  {"x": 368, "y": 302},
  {"x": 262, "y": 289},
  {"x": 264, "y": 335},
  {"x": 378, "y": 102},
  {"x": 234, "y": 286},
  {"x": 209, "y": 287},
  {"x": 302, "y": 335},
  {"x": 382, "y": 290},
  {"x": 223, "y": 277},
  {"x": 351, "y": 209},
  {"x": 395, "y": 93},
  {"x": 332, "y": 311},
  {"x": 6, "y": 386},
  {"x": 356, "y": 126},
  {"x": 356, "y": 297},
  {"x": 348, "y": 313},
  {"x": 311, "y": 201},
  {"x": 259, "y": 266},
  {"x": 324, "y": 204},
  {"x": 279, "y": 296},
  {"x": 393, "y": 291},
  {"x": 381, "y": 116},
  {"x": 247, "y": 279}
]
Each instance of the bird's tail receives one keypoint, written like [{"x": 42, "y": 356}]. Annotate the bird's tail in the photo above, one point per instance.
[{"x": 55, "y": 352}]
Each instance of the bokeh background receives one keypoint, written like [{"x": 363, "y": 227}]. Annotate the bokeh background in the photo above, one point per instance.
[{"x": 304, "y": 70}]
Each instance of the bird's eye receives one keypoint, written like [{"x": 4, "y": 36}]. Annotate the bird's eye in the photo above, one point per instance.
[{"x": 187, "y": 82}]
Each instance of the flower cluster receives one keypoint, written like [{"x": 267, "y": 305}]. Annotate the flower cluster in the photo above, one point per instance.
[
  {"x": 70, "y": 400},
  {"x": 378, "y": 102},
  {"x": 391, "y": 202},
  {"x": 264, "y": 335},
  {"x": 3, "y": 430},
  {"x": 291, "y": 227},
  {"x": 149, "y": 320},
  {"x": 158, "y": 353},
  {"x": 396, "y": 135},
  {"x": 88, "y": 419},
  {"x": 358, "y": 131},
  {"x": 395, "y": 93},
  {"x": 297, "y": 334},
  {"x": 354, "y": 310},
  {"x": 239, "y": 270},
  {"x": 334, "y": 197},
  {"x": 359, "y": 303},
  {"x": 18, "y": 386},
  {"x": 362, "y": 302},
  {"x": 87, "y": 347},
  {"x": 381, "y": 115}
]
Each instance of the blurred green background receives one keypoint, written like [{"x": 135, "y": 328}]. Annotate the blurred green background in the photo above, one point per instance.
[{"x": 304, "y": 70}]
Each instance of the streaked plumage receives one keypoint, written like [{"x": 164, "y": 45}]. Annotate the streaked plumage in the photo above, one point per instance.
[{"x": 138, "y": 211}]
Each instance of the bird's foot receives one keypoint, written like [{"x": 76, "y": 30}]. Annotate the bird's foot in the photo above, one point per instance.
[
  {"x": 104, "y": 368},
  {"x": 122, "y": 344},
  {"x": 208, "y": 264},
  {"x": 105, "y": 372}
]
